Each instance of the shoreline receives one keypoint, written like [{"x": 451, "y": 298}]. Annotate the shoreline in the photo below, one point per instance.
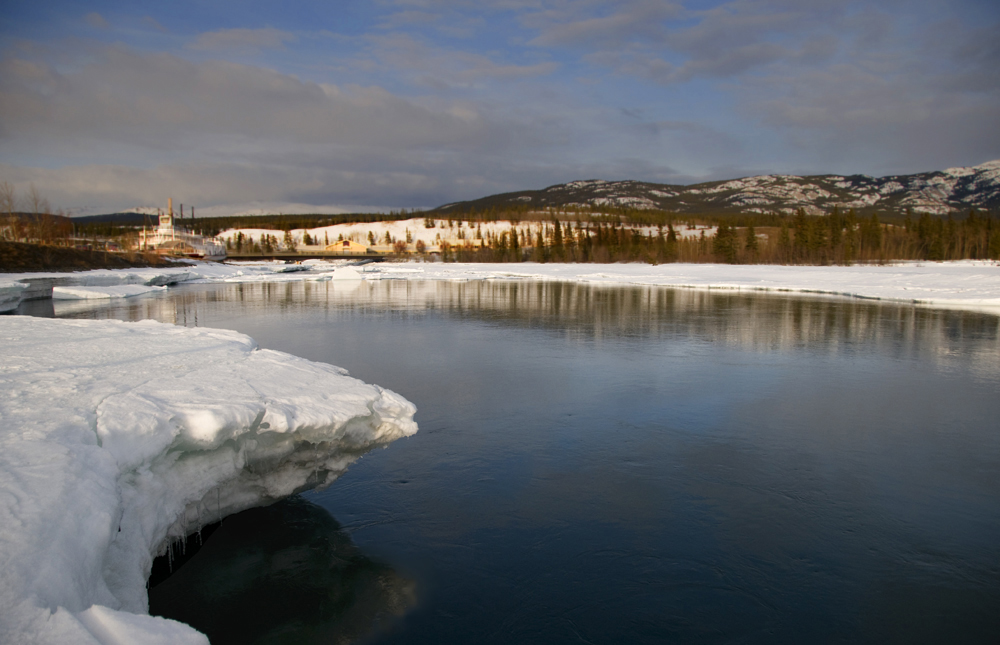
[{"x": 961, "y": 285}]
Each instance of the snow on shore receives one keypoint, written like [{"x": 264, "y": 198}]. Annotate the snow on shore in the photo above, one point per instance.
[
  {"x": 964, "y": 284},
  {"x": 117, "y": 437},
  {"x": 944, "y": 284}
]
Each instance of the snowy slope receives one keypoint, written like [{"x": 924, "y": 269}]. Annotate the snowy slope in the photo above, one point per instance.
[
  {"x": 454, "y": 232},
  {"x": 116, "y": 437}
]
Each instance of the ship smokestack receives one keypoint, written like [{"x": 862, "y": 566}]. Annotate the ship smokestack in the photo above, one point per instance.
[{"x": 170, "y": 206}]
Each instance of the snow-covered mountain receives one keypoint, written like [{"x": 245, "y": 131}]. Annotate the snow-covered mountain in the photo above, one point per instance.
[{"x": 939, "y": 192}]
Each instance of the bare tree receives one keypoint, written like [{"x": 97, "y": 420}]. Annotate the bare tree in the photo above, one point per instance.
[
  {"x": 8, "y": 207},
  {"x": 39, "y": 207}
]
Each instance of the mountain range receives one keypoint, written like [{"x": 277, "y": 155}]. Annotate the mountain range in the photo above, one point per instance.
[
  {"x": 938, "y": 193},
  {"x": 955, "y": 190}
]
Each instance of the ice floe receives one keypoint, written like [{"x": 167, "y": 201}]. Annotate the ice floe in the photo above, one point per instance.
[
  {"x": 10, "y": 294},
  {"x": 118, "y": 437}
]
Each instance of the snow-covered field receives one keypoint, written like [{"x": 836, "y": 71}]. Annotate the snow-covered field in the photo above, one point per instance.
[{"x": 117, "y": 437}]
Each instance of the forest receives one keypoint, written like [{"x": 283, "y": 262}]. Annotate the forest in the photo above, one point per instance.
[{"x": 652, "y": 237}]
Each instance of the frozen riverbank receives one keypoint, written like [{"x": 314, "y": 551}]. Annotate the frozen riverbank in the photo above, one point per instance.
[
  {"x": 965, "y": 284},
  {"x": 118, "y": 437}
]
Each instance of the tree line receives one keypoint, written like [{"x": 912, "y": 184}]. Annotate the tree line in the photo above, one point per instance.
[{"x": 836, "y": 238}]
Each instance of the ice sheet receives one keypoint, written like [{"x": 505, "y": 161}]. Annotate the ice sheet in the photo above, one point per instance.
[
  {"x": 116, "y": 437},
  {"x": 963, "y": 284}
]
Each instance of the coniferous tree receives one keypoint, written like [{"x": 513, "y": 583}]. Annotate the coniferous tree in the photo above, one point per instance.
[
  {"x": 785, "y": 243},
  {"x": 751, "y": 245}
]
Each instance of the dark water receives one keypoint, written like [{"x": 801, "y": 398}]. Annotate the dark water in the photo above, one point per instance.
[{"x": 622, "y": 465}]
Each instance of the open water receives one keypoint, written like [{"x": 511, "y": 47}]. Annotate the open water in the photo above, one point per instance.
[{"x": 618, "y": 465}]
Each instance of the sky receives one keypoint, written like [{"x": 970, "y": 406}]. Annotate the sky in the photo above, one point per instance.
[{"x": 340, "y": 106}]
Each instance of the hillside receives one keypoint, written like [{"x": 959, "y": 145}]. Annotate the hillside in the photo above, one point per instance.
[{"x": 937, "y": 193}]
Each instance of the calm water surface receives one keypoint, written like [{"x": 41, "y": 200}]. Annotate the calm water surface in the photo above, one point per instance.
[{"x": 618, "y": 465}]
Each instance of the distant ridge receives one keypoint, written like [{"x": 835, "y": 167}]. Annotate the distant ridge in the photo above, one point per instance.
[
  {"x": 123, "y": 219},
  {"x": 939, "y": 193}
]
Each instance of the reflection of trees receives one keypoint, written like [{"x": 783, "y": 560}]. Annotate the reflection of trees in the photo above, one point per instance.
[
  {"x": 284, "y": 573},
  {"x": 748, "y": 320}
]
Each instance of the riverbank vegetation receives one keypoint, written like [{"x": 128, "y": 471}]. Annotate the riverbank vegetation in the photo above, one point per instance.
[{"x": 19, "y": 257}]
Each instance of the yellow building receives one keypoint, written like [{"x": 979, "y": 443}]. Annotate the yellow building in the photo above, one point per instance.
[{"x": 347, "y": 246}]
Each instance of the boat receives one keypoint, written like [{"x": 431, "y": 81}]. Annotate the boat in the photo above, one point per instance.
[{"x": 170, "y": 239}]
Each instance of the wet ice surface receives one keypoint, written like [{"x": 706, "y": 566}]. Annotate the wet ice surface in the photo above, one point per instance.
[{"x": 638, "y": 464}]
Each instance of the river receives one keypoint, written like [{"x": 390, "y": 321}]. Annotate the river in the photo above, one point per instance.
[{"x": 617, "y": 465}]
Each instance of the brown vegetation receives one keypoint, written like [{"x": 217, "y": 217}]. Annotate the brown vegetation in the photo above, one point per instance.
[{"x": 23, "y": 257}]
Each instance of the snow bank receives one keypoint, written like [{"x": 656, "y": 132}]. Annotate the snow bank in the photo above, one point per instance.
[
  {"x": 963, "y": 284},
  {"x": 117, "y": 437}
]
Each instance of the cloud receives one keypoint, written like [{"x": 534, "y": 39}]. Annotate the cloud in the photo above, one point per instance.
[
  {"x": 96, "y": 20},
  {"x": 242, "y": 40},
  {"x": 422, "y": 102},
  {"x": 226, "y": 133},
  {"x": 909, "y": 119},
  {"x": 626, "y": 23},
  {"x": 161, "y": 101},
  {"x": 444, "y": 68},
  {"x": 408, "y": 19},
  {"x": 153, "y": 23}
]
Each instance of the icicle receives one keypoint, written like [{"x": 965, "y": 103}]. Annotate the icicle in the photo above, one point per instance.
[{"x": 197, "y": 509}]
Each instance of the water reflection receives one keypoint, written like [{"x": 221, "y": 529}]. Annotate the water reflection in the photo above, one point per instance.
[
  {"x": 286, "y": 573},
  {"x": 752, "y": 322}
]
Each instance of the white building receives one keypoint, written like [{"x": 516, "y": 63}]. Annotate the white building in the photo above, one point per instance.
[{"x": 172, "y": 240}]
